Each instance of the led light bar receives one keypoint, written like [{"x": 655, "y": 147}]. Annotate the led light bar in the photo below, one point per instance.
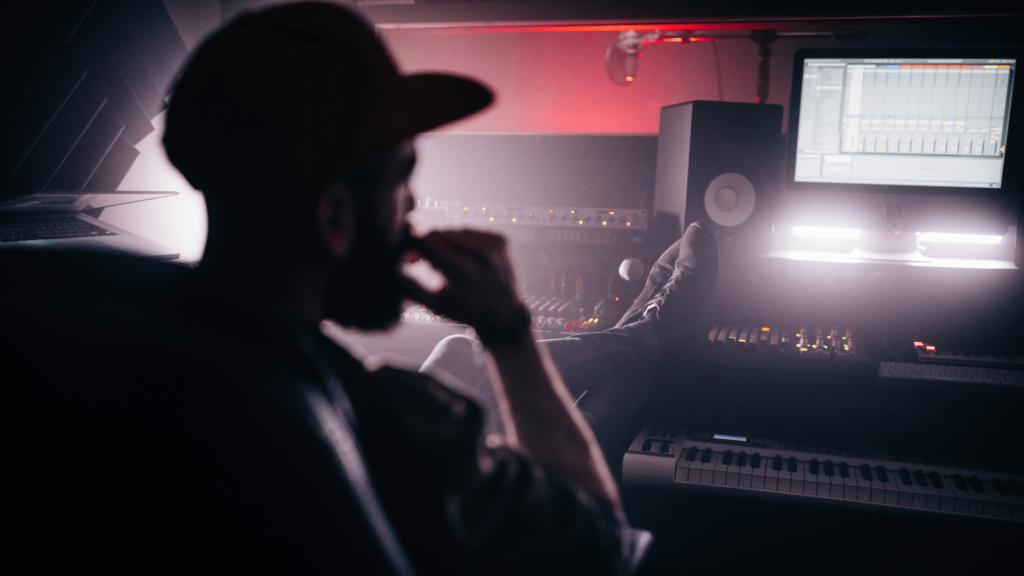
[
  {"x": 821, "y": 232},
  {"x": 958, "y": 238}
]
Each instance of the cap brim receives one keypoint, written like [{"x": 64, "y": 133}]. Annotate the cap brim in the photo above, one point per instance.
[{"x": 423, "y": 102}]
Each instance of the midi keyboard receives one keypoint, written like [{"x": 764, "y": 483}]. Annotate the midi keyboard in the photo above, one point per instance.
[{"x": 671, "y": 458}]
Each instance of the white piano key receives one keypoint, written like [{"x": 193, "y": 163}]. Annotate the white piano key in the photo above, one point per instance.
[
  {"x": 906, "y": 492},
  {"x": 707, "y": 471},
  {"x": 720, "y": 469},
  {"x": 743, "y": 474},
  {"x": 771, "y": 476},
  {"x": 785, "y": 476},
  {"x": 757, "y": 475},
  {"x": 835, "y": 484},
  {"x": 892, "y": 491},
  {"x": 864, "y": 488},
  {"x": 810, "y": 479},
  {"x": 732, "y": 474},
  {"x": 947, "y": 497},
  {"x": 1003, "y": 507},
  {"x": 849, "y": 484}
]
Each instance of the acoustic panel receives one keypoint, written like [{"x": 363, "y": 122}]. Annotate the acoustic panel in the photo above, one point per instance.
[
  {"x": 114, "y": 167},
  {"x": 88, "y": 154}
]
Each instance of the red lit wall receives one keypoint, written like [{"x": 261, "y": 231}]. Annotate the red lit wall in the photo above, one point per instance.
[{"x": 556, "y": 82}]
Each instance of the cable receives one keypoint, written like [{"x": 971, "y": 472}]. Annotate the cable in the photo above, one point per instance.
[{"x": 718, "y": 69}]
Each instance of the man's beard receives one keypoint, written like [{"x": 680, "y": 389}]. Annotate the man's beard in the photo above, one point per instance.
[{"x": 367, "y": 290}]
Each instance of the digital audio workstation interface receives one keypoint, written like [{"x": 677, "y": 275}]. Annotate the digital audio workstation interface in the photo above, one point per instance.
[{"x": 913, "y": 122}]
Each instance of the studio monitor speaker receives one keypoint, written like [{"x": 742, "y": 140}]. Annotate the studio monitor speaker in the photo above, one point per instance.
[{"x": 721, "y": 163}]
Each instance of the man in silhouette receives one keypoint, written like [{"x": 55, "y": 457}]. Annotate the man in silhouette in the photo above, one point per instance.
[{"x": 297, "y": 127}]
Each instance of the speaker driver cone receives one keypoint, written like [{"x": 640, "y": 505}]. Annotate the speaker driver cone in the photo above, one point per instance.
[{"x": 729, "y": 199}]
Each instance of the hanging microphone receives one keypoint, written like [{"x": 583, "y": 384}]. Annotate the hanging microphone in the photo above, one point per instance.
[{"x": 631, "y": 269}]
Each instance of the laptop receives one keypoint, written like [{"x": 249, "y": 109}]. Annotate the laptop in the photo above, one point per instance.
[{"x": 69, "y": 221}]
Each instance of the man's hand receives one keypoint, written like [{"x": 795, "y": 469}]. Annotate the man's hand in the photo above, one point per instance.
[{"x": 480, "y": 289}]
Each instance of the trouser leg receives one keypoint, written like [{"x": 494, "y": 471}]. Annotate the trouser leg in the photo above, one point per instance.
[{"x": 610, "y": 374}]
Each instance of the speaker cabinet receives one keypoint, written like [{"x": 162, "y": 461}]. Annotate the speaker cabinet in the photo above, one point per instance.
[{"x": 721, "y": 163}]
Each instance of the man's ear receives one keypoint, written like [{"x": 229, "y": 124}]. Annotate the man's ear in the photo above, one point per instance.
[{"x": 336, "y": 218}]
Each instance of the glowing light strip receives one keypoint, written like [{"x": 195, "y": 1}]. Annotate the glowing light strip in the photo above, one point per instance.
[
  {"x": 820, "y": 232},
  {"x": 958, "y": 238},
  {"x": 730, "y": 438}
]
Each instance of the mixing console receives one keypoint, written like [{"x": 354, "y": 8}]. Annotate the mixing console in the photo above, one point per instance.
[{"x": 664, "y": 457}]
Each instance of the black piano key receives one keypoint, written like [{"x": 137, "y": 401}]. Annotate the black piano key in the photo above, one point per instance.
[
  {"x": 707, "y": 456},
  {"x": 665, "y": 448},
  {"x": 777, "y": 463},
  {"x": 1016, "y": 488},
  {"x": 755, "y": 460},
  {"x": 844, "y": 470},
  {"x": 936, "y": 479},
  {"x": 727, "y": 458},
  {"x": 741, "y": 459},
  {"x": 865, "y": 472},
  {"x": 815, "y": 469},
  {"x": 791, "y": 465},
  {"x": 959, "y": 482},
  {"x": 921, "y": 480},
  {"x": 646, "y": 446},
  {"x": 830, "y": 469},
  {"x": 882, "y": 474},
  {"x": 905, "y": 477},
  {"x": 692, "y": 454},
  {"x": 1000, "y": 487},
  {"x": 976, "y": 484}
]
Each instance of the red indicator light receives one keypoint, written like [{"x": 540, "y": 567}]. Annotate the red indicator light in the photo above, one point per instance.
[
  {"x": 930, "y": 348},
  {"x": 616, "y": 298},
  {"x": 918, "y": 344},
  {"x": 629, "y": 78},
  {"x": 628, "y": 223}
]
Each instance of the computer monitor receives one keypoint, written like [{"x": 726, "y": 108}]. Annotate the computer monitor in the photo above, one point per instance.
[{"x": 903, "y": 154}]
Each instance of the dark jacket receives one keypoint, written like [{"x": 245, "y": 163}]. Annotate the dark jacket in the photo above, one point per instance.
[{"x": 158, "y": 421}]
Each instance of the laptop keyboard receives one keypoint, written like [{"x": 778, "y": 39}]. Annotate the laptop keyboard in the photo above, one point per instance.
[{"x": 21, "y": 229}]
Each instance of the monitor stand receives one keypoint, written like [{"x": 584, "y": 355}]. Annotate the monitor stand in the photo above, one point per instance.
[{"x": 886, "y": 246}]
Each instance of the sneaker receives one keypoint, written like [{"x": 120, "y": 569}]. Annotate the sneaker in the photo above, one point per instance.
[{"x": 680, "y": 286}]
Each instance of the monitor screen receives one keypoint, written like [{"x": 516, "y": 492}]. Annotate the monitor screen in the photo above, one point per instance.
[{"x": 922, "y": 122}]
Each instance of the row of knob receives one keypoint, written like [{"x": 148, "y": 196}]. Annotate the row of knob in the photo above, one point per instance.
[{"x": 767, "y": 339}]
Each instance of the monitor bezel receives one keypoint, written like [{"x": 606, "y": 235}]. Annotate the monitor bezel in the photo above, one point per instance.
[{"x": 1011, "y": 179}]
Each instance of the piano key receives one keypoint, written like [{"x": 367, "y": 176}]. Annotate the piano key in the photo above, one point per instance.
[
  {"x": 744, "y": 335},
  {"x": 707, "y": 472},
  {"x": 905, "y": 487},
  {"x": 745, "y": 472},
  {"x": 830, "y": 469},
  {"x": 974, "y": 494},
  {"x": 732, "y": 473},
  {"x": 889, "y": 485},
  {"x": 727, "y": 457},
  {"x": 849, "y": 482},
  {"x": 959, "y": 482},
  {"x": 1004, "y": 508},
  {"x": 947, "y": 497},
  {"x": 692, "y": 454},
  {"x": 733, "y": 334},
  {"x": 933, "y": 498},
  {"x": 815, "y": 467},
  {"x": 722, "y": 336},
  {"x": 810, "y": 478},
  {"x": 1000, "y": 487},
  {"x": 836, "y": 486},
  {"x": 706, "y": 456},
  {"x": 882, "y": 474},
  {"x": 771, "y": 474},
  {"x": 713, "y": 334},
  {"x": 864, "y": 484},
  {"x": 796, "y": 481},
  {"x": 990, "y": 498},
  {"x": 757, "y": 474},
  {"x": 786, "y": 476},
  {"x": 720, "y": 468}
]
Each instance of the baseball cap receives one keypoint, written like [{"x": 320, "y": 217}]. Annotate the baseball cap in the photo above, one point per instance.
[{"x": 296, "y": 95}]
